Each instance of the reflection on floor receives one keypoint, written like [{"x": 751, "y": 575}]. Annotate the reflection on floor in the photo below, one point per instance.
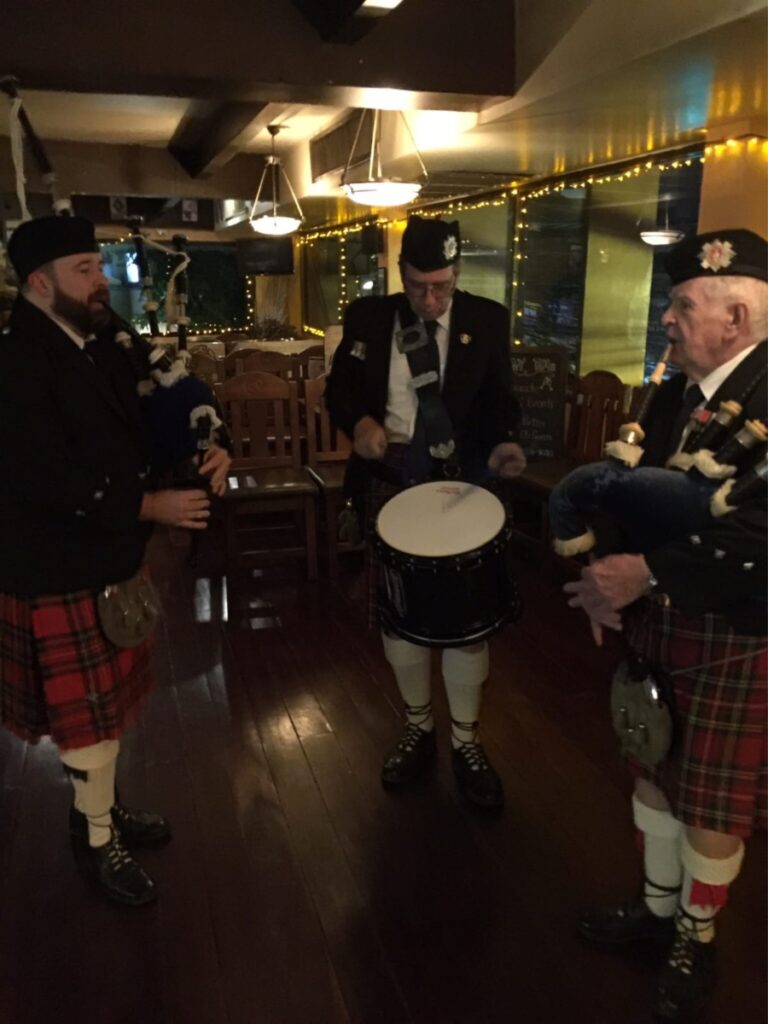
[{"x": 296, "y": 889}]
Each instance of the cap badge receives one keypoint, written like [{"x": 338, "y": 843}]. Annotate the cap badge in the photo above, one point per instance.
[
  {"x": 450, "y": 247},
  {"x": 717, "y": 255}
]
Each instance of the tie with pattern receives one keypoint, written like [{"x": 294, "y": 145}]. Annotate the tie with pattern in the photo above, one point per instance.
[
  {"x": 418, "y": 461},
  {"x": 692, "y": 398}
]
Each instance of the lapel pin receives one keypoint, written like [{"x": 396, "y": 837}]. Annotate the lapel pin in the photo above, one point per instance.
[{"x": 465, "y": 338}]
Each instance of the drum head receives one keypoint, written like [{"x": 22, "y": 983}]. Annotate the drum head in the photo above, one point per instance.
[{"x": 440, "y": 519}]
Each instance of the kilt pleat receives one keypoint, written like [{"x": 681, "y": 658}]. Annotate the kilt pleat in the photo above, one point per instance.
[
  {"x": 716, "y": 776},
  {"x": 60, "y": 676}
]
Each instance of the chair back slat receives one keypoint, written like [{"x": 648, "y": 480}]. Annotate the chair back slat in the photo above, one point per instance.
[
  {"x": 324, "y": 442},
  {"x": 311, "y": 362},
  {"x": 262, "y": 412},
  {"x": 595, "y": 414},
  {"x": 251, "y": 360}
]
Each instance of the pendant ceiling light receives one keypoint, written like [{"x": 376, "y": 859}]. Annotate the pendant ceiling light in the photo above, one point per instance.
[
  {"x": 271, "y": 224},
  {"x": 377, "y": 190},
  {"x": 662, "y": 236}
]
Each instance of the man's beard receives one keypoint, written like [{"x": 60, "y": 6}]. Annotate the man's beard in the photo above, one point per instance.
[{"x": 86, "y": 317}]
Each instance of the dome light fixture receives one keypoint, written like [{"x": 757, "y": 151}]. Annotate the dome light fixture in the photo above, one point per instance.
[
  {"x": 663, "y": 236},
  {"x": 271, "y": 224},
  {"x": 377, "y": 190}
]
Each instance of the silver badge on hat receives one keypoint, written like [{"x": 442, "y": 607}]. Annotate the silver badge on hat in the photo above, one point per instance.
[{"x": 450, "y": 247}]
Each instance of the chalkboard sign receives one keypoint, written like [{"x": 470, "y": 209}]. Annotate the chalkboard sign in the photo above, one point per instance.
[{"x": 538, "y": 380}]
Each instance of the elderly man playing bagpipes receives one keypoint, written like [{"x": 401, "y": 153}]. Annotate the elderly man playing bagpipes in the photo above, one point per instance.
[
  {"x": 690, "y": 704},
  {"x": 76, "y": 508}
]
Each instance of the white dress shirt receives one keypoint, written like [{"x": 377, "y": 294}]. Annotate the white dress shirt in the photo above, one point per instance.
[{"x": 402, "y": 403}]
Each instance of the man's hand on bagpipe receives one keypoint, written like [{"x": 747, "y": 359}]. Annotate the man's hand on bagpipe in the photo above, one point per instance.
[
  {"x": 187, "y": 508},
  {"x": 216, "y": 462},
  {"x": 606, "y": 586}
]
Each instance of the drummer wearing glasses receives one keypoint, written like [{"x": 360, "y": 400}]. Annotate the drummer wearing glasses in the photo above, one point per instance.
[{"x": 421, "y": 383}]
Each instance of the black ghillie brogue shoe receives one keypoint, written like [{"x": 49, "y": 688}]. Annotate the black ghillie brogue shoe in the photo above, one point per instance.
[
  {"x": 631, "y": 922},
  {"x": 119, "y": 877},
  {"x": 476, "y": 778},
  {"x": 135, "y": 828},
  {"x": 686, "y": 979},
  {"x": 413, "y": 753}
]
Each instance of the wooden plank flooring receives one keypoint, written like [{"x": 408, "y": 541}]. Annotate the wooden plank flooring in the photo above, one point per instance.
[{"x": 298, "y": 891}]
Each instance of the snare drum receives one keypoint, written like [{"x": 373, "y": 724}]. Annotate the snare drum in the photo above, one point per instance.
[{"x": 442, "y": 546}]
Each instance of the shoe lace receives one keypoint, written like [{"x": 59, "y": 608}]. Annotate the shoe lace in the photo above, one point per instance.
[
  {"x": 117, "y": 855},
  {"x": 474, "y": 755},
  {"x": 411, "y": 738},
  {"x": 682, "y": 955}
]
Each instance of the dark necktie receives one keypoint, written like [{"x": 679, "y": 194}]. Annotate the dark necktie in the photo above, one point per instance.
[
  {"x": 692, "y": 398},
  {"x": 418, "y": 461}
]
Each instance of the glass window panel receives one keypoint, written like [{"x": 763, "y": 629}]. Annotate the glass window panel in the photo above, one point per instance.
[
  {"x": 322, "y": 282},
  {"x": 549, "y": 265},
  {"x": 679, "y": 200},
  {"x": 216, "y": 289},
  {"x": 363, "y": 274},
  {"x": 485, "y": 255}
]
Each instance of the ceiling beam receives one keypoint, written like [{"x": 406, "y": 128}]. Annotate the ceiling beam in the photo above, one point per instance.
[
  {"x": 344, "y": 21},
  {"x": 260, "y": 50},
  {"x": 211, "y": 133},
  {"x": 121, "y": 170}
]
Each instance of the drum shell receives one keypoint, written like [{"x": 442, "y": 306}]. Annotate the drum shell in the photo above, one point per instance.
[{"x": 449, "y": 601}]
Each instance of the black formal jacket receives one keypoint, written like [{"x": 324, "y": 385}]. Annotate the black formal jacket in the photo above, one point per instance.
[
  {"x": 722, "y": 568},
  {"x": 73, "y": 461},
  {"x": 477, "y": 387}
]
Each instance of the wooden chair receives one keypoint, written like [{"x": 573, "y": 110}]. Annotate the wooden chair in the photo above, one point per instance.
[
  {"x": 598, "y": 406},
  {"x": 327, "y": 452},
  {"x": 311, "y": 362},
  {"x": 267, "y": 477},
  {"x": 206, "y": 366}
]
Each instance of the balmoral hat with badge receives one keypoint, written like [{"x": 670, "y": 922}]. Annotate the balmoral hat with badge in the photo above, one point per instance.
[
  {"x": 430, "y": 244},
  {"x": 729, "y": 252}
]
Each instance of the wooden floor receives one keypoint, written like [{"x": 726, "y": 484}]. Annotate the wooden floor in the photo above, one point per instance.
[{"x": 298, "y": 891}]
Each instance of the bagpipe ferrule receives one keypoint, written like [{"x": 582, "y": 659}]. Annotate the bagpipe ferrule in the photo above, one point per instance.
[{"x": 632, "y": 433}]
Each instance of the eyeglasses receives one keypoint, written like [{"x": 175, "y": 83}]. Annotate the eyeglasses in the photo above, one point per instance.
[{"x": 440, "y": 289}]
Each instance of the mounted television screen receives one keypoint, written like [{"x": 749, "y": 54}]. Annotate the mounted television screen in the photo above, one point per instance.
[{"x": 265, "y": 255}]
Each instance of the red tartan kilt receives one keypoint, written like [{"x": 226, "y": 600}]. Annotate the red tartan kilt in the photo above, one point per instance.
[
  {"x": 60, "y": 676},
  {"x": 716, "y": 776}
]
